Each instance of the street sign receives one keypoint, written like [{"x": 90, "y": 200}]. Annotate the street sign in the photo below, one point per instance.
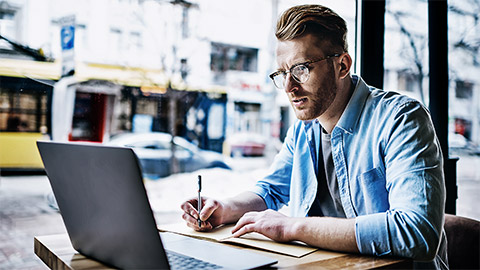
[{"x": 67, "y": 39}]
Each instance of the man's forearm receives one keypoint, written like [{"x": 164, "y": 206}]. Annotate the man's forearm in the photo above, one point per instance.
[
  {"x": 325, "y": 232},
  {"x": 245, "y": 202}
]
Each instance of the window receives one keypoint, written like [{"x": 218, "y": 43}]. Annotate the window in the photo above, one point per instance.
[
  {"x": 7, "y": 22},
  {"x": 135, "y": 42},
  {"x": 463, "y": 89},
  {"x": 81, "y": 36},
  {"x": 408, "y": 81},
  {"x": 185, "y": 32},
  {"x": 247, "y": 117},
  {"x": 225, "y": 57},
  {"x": 463, "y": 127},
  {"x": 116, "y": 42},
  {"x": 24, "y": 106},
  {"x": 7, "y": 15}
]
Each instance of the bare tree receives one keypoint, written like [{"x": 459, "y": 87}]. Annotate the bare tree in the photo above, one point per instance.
[
  {"x": 417, "y": 44},
  {"x": 466, "y": 39}
]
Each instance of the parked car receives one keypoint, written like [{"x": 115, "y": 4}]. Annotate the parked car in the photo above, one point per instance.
[
  {"x": 154, "y": 151},
  {"x": 246, "y": 144},
  {"x": 456, "y": 140}
]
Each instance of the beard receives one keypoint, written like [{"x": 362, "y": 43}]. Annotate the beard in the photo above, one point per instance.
[{"x": 319, "y": 100}]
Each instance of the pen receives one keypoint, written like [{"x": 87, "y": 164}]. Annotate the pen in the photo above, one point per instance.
[{"x": 199, "y": 200}]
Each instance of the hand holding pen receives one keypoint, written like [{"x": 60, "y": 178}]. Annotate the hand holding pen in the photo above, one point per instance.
[
  {"x": 199, "y": 205},
  {"x": 213, "y": 211}
]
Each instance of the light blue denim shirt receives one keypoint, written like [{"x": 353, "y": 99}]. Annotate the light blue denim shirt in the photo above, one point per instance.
[{"x": 389, "y": 169}]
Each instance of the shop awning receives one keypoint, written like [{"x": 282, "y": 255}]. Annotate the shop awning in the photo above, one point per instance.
[
  {"x": 30, "y": 69},
  {"x": 128, "y": 76},
  {"x": 152, "y": 81}
]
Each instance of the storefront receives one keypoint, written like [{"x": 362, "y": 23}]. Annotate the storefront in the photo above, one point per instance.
[
  {"x": 83, "y": 111},
  {"x": 95, "y": 103},
  {"x": 197, "y": 115}
]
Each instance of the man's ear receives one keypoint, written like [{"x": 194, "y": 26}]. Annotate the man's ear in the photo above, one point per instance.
[{"x": 345, "y": 65}]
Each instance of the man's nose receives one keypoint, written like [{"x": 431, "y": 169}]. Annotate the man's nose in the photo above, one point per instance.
[{"x": 291, "y": 85}]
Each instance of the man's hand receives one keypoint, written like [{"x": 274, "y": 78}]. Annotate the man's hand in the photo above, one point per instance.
[
  {"x": 270, "y": 223},
  {"x": 212, "y": 213},
  {"x": 323, "y": 232},
  {"x": 215, "y": 212}
]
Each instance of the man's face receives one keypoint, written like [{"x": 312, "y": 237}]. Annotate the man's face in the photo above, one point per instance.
[{"x": 312, "y": 98}]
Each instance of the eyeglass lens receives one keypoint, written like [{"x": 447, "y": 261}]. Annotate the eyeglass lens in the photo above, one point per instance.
[{"x": 300, "y": 73}]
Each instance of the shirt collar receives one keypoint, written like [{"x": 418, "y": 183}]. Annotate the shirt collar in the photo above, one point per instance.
[{"x": 353, "y": 110}]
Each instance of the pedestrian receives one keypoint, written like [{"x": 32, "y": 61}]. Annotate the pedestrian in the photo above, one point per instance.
[{"x": 361, "y": 169}]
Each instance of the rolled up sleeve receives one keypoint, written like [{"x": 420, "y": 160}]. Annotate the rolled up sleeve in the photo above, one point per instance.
[
  {"x": 412, "y": 225},
  {"x": 275, "y": 187},
  {"x": 396, "y": 233}
]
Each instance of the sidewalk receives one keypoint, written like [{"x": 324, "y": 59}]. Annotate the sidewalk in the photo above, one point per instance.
[{"x": 24, "y": 211}]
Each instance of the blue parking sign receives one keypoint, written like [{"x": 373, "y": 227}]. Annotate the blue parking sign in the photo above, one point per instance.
[{"x": 67, "y": 37}]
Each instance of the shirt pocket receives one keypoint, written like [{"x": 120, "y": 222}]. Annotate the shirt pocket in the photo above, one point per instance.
[{"x": 372, "y": 196}]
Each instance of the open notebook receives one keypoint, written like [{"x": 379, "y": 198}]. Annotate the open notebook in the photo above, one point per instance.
[{"x": 223, "y": 234}]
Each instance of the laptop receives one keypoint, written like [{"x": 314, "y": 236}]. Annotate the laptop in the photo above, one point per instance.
[{"x": 104, "y": 205}]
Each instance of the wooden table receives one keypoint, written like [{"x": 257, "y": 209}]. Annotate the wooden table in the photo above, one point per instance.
[{"x": 57, "y": 252}]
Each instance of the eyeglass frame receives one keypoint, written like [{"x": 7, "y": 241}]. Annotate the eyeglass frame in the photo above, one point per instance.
[{"x": 306, "y": 64}]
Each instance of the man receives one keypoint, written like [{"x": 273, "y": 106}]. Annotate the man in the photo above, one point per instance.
[{"x": 362, "y": 169}]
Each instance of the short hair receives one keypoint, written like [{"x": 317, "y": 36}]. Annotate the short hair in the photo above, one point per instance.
[{"x": 317, "y": 20}]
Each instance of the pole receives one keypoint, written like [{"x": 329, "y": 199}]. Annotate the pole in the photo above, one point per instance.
[
  {"x": 372, "y": 42},
  {"x": 438, "y": 66}
]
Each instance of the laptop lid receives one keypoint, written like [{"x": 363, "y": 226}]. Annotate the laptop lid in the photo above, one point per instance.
[{"x": 104, "y": 205}]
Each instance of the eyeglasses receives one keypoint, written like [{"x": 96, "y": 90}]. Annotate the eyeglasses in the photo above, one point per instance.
[{"x": 300, "y": 72}]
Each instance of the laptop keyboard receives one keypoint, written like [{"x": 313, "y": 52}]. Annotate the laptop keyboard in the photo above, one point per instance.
[{"x": 179, "y": 261}]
